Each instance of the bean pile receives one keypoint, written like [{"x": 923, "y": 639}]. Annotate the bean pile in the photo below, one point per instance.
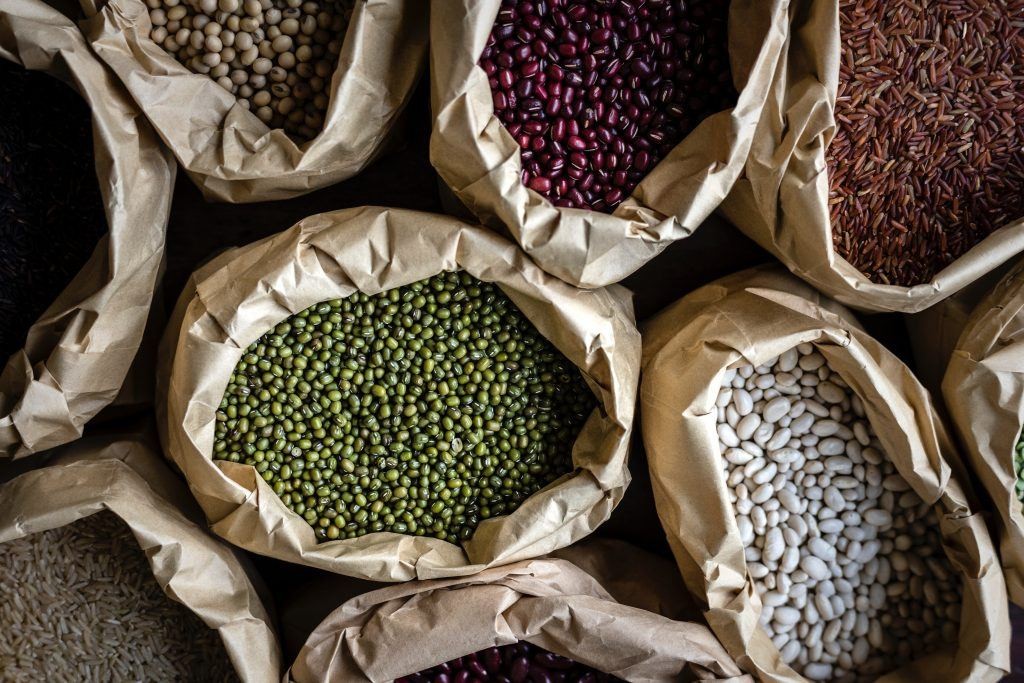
[
  {"x": 596, "y": 92},
  {"x": 928, "y": 157},
  {"x": 277, "y": 56},
  {"x": 846, "y": 558},
  {"x": 51, "y": 210},
  {"x": 514, "y": 663},
  {"x": 81, "y": 604},
  {"x": 1018, "y": 467},
  {"x": 421, "y": 410}
]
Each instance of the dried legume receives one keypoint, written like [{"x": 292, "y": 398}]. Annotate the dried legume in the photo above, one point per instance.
[
  {"x": 421, "y": 410},
  {"x": 277, "y": 56},
  {"x": 846, "y": 558},
  {"x": 596, "y": 92},
  {"x": 514, "y": 663},
  {"x": 80, "y": 604},
  {"x": 51, "y": 210},
  {"x": 928, "y": 157}
]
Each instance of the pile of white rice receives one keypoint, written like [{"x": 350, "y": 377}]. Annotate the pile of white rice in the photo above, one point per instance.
[{"x": 80, "y": 603}]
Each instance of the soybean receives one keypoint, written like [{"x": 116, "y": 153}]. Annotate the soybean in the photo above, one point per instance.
[
  {"x": 251, "y": 40},
  {"x": 420, "y": 410}
]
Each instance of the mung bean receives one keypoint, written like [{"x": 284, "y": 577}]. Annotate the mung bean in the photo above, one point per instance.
[{"x": 422, "y": 410}]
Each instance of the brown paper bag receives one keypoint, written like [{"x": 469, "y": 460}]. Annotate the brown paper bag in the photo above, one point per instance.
[
  {"x": 631, "y": 576},
  {"x": 242, "y": 293},
  {"x": 935, "y": 331},
  {"x": 984, "y": 391},
  {"x": 554, "y": 604},
  {"x": 479, "y": 160},
  {"x": 781, "y": 202},
  {"x": 233, "y": 156},
  {"x": 192, "y": 567},
  {"x": 78, "y": 352},
  {"x": 751, "y": 317}
]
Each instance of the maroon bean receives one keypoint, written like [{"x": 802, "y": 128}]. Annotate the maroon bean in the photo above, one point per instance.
[
  {"x": 538, "y": 184},
  {"x": 627, "y": 80},
  {"x": 520, "y": 670},
  {"x": 576, "y": 142}
]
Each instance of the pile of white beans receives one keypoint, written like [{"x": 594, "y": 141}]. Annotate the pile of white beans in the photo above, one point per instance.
[
  {"x": 276, "y": 56},
  {"x": 846, "y": 558}
]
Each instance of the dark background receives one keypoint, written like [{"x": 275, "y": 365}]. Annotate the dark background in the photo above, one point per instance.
[{"x": 403, "y": 178}]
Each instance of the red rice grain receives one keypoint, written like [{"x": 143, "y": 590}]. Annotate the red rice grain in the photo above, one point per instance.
[{"x": 928, "y": 156}]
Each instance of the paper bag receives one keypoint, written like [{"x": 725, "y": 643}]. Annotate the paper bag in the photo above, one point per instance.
[
  {"x": 480, "y": 162},
  {"x": 400, "y": 630},
  {"x": 781, "y": 202},
  {"x": 191, "y": 566},
  {"x": 242, "y": 293},
  {"x": 230, "y": 153},
  {"x": 751, "y": 317},
  {"x": 984, "y": 392},
  {"x": 77, "y": 354}
]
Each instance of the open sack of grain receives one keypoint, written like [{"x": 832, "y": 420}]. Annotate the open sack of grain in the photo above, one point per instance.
[
  {"x": 598, "y": 135},
  {"x": 83, "y": 213},
  {"x": 368, "y": 389},
  {"x": 105, "y": 578},
  {"x": 531, "y": 620},
  {"x": 265, "y": 99},
  {"x": 984, "y": 392},
  {"x": 813, "y": 500},
  {"x": 888, "y": 166}
]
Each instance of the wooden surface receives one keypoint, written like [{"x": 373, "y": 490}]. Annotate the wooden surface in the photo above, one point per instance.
[{"x": 404, "y": 178}]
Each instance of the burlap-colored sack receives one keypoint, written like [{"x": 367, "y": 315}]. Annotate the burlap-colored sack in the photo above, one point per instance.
[
  {"x": 751, "y": 317},
  {"x": 241, "y": 294},
  {"x": 192, "y": 567},
  {"x": 400, "y": 630},
  {"x": 984, "y": 392},
  {"x": 77, "y": 354},
  {"x": 781, "y": 202},
  {"x": 229, "y": 152},
  {"x": 480, "y": 162},
  {"x": 935, "y": 331}
]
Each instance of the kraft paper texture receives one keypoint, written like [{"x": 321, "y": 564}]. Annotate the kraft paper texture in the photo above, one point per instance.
[
  {"x": 781, "y": 202},
  {"x": 479, "y": 160},
  {"x": 77, "y": 354},
  {"x": 554, "y": 604},
  {"x": 984, "y": 392},
  {"x": 191, "y": 566},
  {"x": 228, "y": 152},
  {"x": 751, "y": 317},
  {"x": 241, "y": 294}
]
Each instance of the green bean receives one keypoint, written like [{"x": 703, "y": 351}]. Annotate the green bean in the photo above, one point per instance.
[{"x": 421, "y": 410}]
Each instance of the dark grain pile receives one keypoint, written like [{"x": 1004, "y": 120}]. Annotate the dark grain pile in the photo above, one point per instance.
[
  {"x": 51, "y": 211},
  {"x": 928, "y": 157}
]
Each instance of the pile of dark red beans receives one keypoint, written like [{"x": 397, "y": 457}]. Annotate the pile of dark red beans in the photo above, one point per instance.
[
  {"x": 596, "y": 92},
  {"x": 517, "y": 663}
]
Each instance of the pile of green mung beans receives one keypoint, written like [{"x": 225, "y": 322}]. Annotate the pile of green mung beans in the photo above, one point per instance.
[{"x": 421, "y": 410}]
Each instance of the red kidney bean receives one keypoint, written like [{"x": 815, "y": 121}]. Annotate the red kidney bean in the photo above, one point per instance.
[
  {"x": 516, "y": 663},
  {"x": 623, "y": 82}
]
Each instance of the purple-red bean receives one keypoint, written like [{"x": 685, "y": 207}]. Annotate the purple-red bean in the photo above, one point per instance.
[
  {"x": 596, "y": 92},
  {"x": 517, "y": 663}
]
